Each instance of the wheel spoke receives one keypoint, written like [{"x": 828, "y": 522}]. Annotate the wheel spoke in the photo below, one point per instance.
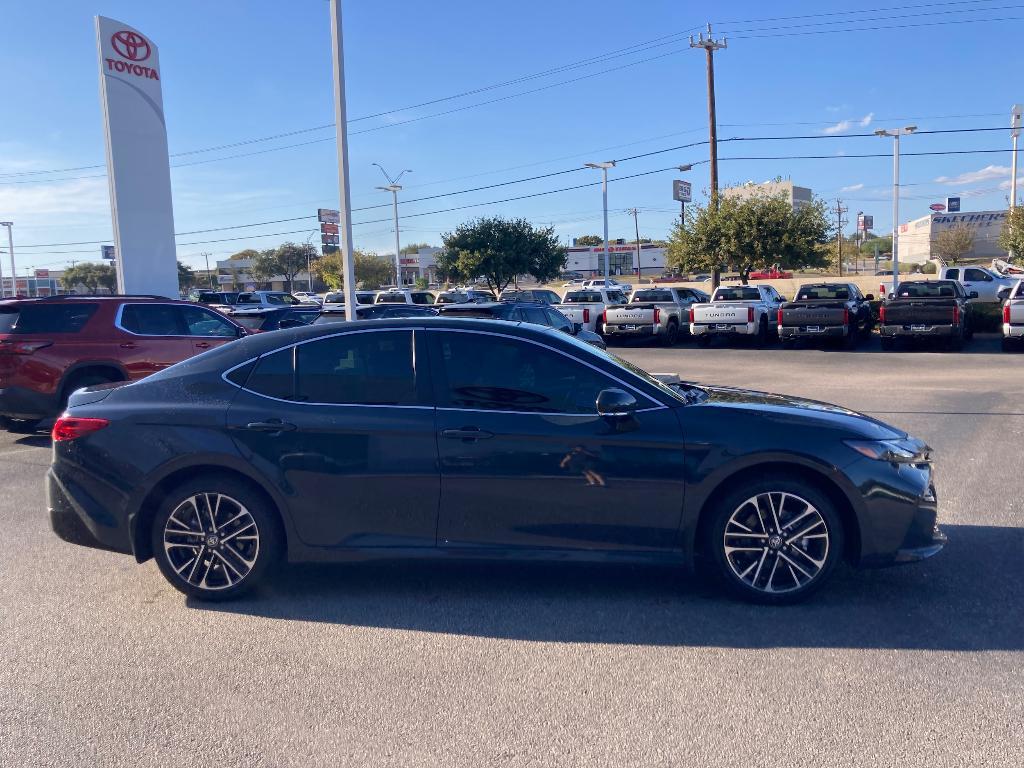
[{"x": 805, "y": 531}]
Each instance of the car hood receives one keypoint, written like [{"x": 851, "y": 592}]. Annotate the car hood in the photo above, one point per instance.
[{"x": 790, "y": 409}]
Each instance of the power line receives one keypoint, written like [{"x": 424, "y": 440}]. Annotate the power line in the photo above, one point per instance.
[
  {"x": 861, "y": 11},
  {"x": 875, "y": 28}
]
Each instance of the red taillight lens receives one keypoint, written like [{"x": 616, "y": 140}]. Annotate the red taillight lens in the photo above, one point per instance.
[
  {"x": 604, "y": 317},
  {"x": 1006, "y": 314},
  {"x": 780, "y": 315},
  {"x": 23, "y": 347},
  {"x": 881, "y": 313},
  {"x": 750, "y": 314},
  {"x": 71, "y": 427},
  {"x": 657, "y": 315},
  {"x": 692, "y": 313},
  {"x": 956, "y": 314},
  {"x": 846, "y": 316},
  {"x": 586, "y": 315}
]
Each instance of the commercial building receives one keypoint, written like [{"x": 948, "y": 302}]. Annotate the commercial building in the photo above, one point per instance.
[
  {"x": 419, "y": 265},
  {"x": 42, "y": 282},
  {"x": 621, "y": 259},
  {"x": 917, "y": 237},
  {"x": 792, "y": 194}
]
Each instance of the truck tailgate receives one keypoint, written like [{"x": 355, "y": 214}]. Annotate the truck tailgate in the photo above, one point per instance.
[
  {"x": 820, "y": 314},
  {"x": 631, "y": 314},
  {"x": 721, "y": 313},
  {"x": 1017, "y": 313},
  {"x": 920, "y": 312}
]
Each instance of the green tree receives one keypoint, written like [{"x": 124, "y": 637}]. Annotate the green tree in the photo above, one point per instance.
[
  {"x": 264, "y": 266},
  {"x": 589, "y": 241},
  {"x": 372, "y": 270},
  {"x": 90, "y": 276},
  {"x": 1011, "y": 237},
  {"x": 414, "y": 248},
  {"x": 287, "y": 260},
  {"x": 954, "y": 243},
  {"x": 499, "y": 250},
  {"x": 248, "y": 253},
  {"x": 186, "y": 277}
]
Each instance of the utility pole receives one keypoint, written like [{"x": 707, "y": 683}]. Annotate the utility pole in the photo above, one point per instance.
[
  {"x": 635, "y": 213},
  {"x": 209, "y": 274},
  {"x": 1015, "y": 123},
  {"x": 341, "y": 134},
  {"x": 394, "y": 188},
  {"x": 10, "y": 246},
  {"x": 895, "y": 134},
  {"x": 839, "y": 233},
  {"x": 710, "y": 45},
  {"x": 603, "y": 167}
]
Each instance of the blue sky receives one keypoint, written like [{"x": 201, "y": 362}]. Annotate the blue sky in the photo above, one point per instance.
[{"x": 237, "y": 70}]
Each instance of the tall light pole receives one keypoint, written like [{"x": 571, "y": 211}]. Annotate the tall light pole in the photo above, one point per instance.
[
  {"x": 1015, "y": 122},
  {"x": 635, "y": 213},
  {"x": 10, "y": 247},
  {"x": 394, "y": 188},
  {"x": 603, "y": 167},
  {"x": 895, "y": 133},
  {"x": 341, "y": 129}
]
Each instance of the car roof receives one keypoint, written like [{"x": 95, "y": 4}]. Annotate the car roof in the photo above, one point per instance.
[{"x": 106, "y": 297}]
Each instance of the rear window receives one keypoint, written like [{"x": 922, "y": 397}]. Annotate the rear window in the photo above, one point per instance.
[
  {"x": 924, "y": 290},
  {"x": 737, "y": 294},
  {"x": 46, "y": 318},
  {"x": 582, "y": 297},
  {"x": 652, "y": 296},
  {"x": 828, "y": 292},
  {"x": 391, "y": 298}
]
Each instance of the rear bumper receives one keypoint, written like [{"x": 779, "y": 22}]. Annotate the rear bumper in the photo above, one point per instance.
[
  {"x": 78, "y": 518},
  {"x": 943, "y": 331},
  {"x": 801, "y": 332},
  {"x": 637, "y": 331},
  {"x": 24, "y": 403},
  {"x": 1013, "y": 331},
  {"x": 723, "y": 329}
]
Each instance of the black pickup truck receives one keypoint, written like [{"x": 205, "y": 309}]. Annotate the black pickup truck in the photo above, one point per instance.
[
  {"x": 930, "y": 309},
  {"x": 829, "y": 311}
]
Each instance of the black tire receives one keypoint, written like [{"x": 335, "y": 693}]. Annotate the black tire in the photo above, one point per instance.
[
  {"x": 1009, "y": 345},
  {"x": 762, "y": 332},
  {"x": 888, "y": 344},
  {"x": 852, "y": 337},
  {"x": 231, "y": 570},
  {"x": 20, "y": 426},
  {"x": 704, "y": 340},
  {"x": 807, "y": 560},
  {"x": 671, "y": 336}
]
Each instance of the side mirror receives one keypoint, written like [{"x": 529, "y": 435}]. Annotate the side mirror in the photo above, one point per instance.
[
  {"x": 576, "y": 328},
  {"x": 615, "y": 404},
  {"x": 972, "y": 295},
  {"x": 241, "y": 332},
  {"x": 1004, "y": 293},
  {"x": 869, "y": 297}
]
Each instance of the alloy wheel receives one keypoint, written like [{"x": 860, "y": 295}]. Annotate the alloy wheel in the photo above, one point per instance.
[
  {"x": 211, "y": 541},
  {"x": 776, "y": 542}
]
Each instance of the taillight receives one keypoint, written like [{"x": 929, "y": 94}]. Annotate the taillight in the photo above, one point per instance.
[
  {"x": 846, "y": 316},
  {"x": 881, "y": 289},
  {"x": 23, "y": 347},
  {"x": 586, "y": 315},
  {"x": 1006, "y": 314},
  {"x": 72, "y": 427},
  {"x": 692, "y": 313},
  {"x": 956, "y": 314},
  {"x": 604, "y": 317},
  {"x": 780, "y": 315},
  {"x": 881, "y": 314},
  {"x": 657, "y": 315},
  {"x": 750, "y": 314}
]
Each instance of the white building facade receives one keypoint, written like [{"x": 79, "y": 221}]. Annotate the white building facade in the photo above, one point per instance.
[
  {"x": 622, "y": 259},
  {"x": 916, "y": 237},
  {"x": 796, "y": 196}
]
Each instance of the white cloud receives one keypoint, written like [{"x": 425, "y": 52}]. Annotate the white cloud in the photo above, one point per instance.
[
  {"x": 852, "y": 188},
  {"x": 840, "y": 127},
  {"x": 987, "y": 173},
  {"x": 844, "y": 125},
  {"x": 866, "y": 120}
]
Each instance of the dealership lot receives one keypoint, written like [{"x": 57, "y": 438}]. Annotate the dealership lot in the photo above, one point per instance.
[{"x": 462, "y": 664}]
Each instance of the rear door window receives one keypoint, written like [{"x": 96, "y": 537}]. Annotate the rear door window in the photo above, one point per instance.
[
  {"x": 201, "y": 322},
  {"x": 534, "y": 315},
  {"x": 153, "y": 320},
  {"x": 46, "y": 318}
]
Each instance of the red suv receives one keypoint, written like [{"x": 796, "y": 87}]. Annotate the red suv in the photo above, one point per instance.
[{"x": 50, "y": 347}]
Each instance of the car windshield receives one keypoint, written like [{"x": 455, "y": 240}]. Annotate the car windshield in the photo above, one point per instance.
[
  {"x": 737, "y": 294},
  {"x": 924, "y": 290},
  {"x": 582, "y": 297},
  {"x": 824, "y": 291},
  {"x": 652, "y": 295}
]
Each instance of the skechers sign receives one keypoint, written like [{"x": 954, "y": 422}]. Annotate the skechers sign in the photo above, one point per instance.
[{"x": 131, "y": 47}]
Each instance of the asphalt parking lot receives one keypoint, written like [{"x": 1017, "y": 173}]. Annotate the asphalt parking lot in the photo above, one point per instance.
[{"x": 104, "y": 663}]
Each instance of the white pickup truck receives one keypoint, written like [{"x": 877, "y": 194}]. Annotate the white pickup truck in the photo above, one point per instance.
[
  {"x": 586, "y": 306},
  {"x": 612, "y": 285},
  {"x": 736, "y": 310},
  {"x": 986, "y": 282},
  {"x": 660, "y": 313},
  {"x": 1013, "y": 318}
]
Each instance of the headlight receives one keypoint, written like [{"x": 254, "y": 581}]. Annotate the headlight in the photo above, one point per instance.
[{"x": 906, "y": 451}]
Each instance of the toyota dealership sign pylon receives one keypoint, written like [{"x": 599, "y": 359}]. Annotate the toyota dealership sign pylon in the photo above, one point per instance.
[{"x": 138, "y": 170}]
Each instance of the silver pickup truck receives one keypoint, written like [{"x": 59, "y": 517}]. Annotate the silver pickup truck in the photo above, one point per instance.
[
  {"x": 659, "y": 313},
  {"x": 740, "y": 310},
  {"x": 1013, "y": 317}
]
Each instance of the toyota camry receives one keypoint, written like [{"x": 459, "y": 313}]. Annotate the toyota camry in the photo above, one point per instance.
[{"x": 435, "y": 437}]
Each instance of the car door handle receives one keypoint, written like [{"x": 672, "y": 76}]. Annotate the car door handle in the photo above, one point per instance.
[
  {"x": 128, "y": 345},
  {"x": 466, "y": 434},
  {"x": 270, "y": 426},
  {"x": 203, "y": 345}
]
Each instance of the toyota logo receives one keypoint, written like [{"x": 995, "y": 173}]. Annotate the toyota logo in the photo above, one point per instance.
[{"x": 131, "y": 45}]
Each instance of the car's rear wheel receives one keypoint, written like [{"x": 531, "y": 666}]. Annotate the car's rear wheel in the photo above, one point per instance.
[
  {"x": 1009, "y": 345},
  {"x": 214, "y": 538},
  {"x": 888, "y": 344},
  {"x": 775, "y": 541},
  {"x": 671, "y": 334}
]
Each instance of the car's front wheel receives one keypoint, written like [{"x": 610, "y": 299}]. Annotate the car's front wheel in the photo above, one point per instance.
[
  {"x": 774, "y": 541},
  {"x": 214, "y": 538}
]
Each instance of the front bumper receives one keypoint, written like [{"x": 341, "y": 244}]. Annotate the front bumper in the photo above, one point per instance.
[
  {"x": 23, "y": 403},
  {"x": 941, "y": 331},
  {"x": 803, "y": 332},
  {"x": 924, "y": 551}
]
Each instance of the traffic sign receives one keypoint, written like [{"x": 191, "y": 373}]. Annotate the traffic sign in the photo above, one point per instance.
[
  {"x": 681, "y": 191},
  {"x": 328, "y": 215}
]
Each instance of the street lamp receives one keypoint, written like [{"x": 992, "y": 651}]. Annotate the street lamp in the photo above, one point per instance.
[
  {"x": 394, "y": 188},
  {"x": 895, "y": 133},
  {"x": 603, "y": 167},
  {"x": 10, "y": 247}
]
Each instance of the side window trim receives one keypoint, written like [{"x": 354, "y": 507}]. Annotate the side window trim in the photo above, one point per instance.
[
  {"x": 414, "y": 331},
  {"x": 655, "y": 404}
]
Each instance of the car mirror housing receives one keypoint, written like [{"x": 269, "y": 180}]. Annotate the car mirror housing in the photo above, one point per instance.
[
  {"x": 615, "y": 403},
  {"x": 576, "y": 328}
]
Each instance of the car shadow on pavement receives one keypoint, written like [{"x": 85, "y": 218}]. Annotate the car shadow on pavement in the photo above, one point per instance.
[
  {"x": 965, "y": 599},
  {"x": 35, "y": 441}
]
